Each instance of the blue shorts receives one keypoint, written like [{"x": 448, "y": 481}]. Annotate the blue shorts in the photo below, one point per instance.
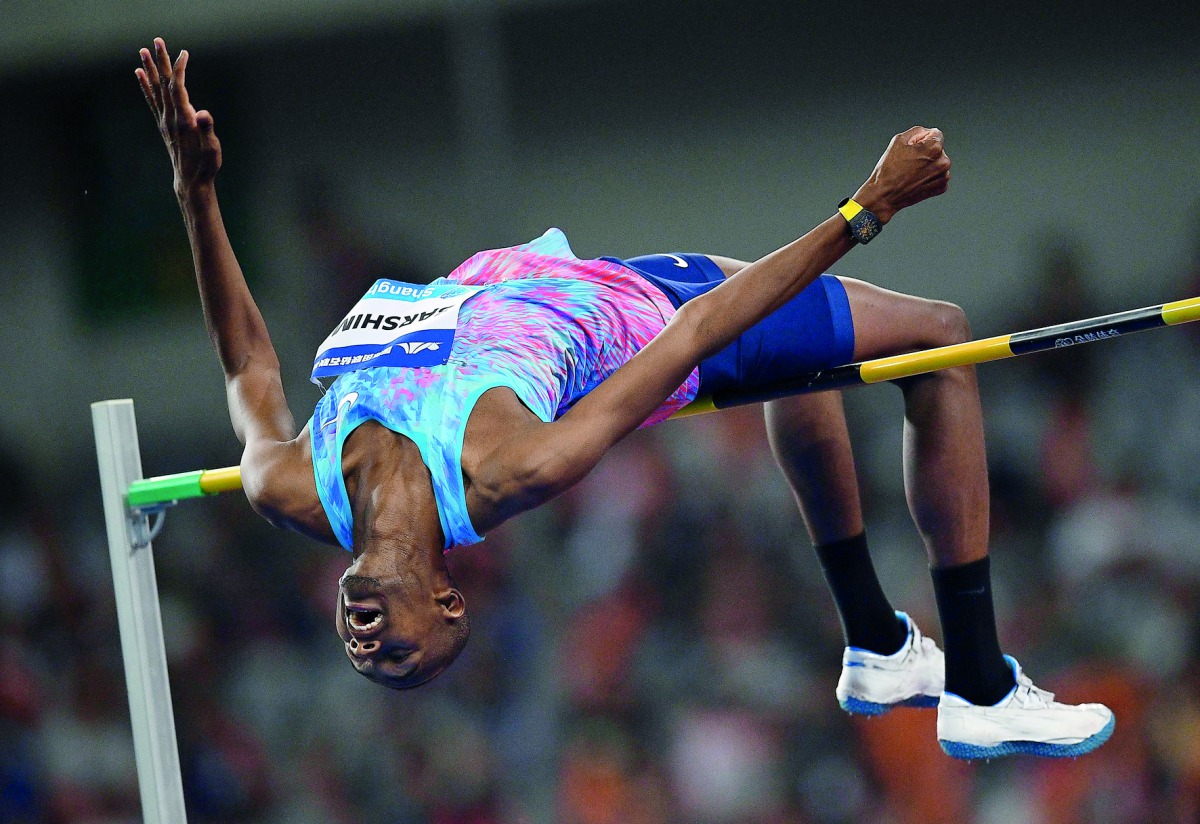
[{"x": 811, "y": 332}]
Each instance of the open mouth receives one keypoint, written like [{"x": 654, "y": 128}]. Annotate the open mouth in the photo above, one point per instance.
[{"x": 363, "y": 618}]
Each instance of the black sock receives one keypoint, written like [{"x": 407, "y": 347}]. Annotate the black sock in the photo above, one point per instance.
[
  {"x": 868, "y": 620},
  {"x": 975, "y": 666}
]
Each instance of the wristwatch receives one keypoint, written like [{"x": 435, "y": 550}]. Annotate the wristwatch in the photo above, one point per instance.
[{"x": 862, "y": 223}]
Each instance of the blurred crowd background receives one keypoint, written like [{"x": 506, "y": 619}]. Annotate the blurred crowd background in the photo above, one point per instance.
[{"x": 657, "y": 646}]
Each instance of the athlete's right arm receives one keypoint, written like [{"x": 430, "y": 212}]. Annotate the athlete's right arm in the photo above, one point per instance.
[
  {"x": 276, "y": 473},
  {"x": 533, "y": 467}
]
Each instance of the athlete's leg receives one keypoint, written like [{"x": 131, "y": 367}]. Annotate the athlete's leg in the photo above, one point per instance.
[
  {"x": 945, "y": 466},
  {"x": 945, "y": 481},
  {"x": 988, "y": 708},
  {"x": 945, "y": 474},
  {"x": 811, "y": 442}
]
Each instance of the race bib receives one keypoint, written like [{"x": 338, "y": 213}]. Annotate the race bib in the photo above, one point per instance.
[{"x": 395, "y": 324}]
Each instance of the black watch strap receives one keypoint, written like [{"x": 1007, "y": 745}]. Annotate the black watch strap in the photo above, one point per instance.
[{"x": 862, "y": 223}]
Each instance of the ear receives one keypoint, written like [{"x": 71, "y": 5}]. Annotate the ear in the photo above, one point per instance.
[{"x": 452, "y": 603}]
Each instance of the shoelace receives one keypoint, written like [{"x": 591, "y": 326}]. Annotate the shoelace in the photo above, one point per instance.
[
  {"x": 918, "y": 643},
  {"x": 1027, "y": 693}
]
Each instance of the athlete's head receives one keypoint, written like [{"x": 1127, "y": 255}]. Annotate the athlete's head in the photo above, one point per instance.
[
  {"x": 399, "y": 631},
  {"x": 398, "y": 613}
]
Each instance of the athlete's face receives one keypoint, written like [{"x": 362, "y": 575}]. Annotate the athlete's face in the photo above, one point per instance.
[{"x": 393, "y": 636}]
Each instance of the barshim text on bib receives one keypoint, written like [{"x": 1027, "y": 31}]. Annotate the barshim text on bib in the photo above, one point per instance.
[{"x": 395, "y": 324}]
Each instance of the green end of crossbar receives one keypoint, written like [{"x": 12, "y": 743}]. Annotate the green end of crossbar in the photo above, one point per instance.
[{"x": 166, "y": 488}]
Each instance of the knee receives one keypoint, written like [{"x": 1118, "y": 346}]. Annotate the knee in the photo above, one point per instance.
[{"x": 947, "y": 324}]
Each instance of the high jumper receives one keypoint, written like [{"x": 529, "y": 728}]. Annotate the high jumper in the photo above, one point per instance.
[{"x": 457, "y": 405}]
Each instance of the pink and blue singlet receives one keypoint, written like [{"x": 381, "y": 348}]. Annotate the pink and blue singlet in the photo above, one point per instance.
[{"x": 551, "y": 327}]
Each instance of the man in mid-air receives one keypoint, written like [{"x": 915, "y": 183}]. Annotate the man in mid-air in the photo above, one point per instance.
[{"x": 457, "y": 405}]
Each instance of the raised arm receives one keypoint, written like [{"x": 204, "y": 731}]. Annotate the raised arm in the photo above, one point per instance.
[
  {"x": 235, "y": 326},
  {"x": 535, "y": 468},
  {"x": 274, "y": 470}
]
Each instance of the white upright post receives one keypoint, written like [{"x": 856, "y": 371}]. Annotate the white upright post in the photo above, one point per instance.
[{"x": 138, "y": 614}]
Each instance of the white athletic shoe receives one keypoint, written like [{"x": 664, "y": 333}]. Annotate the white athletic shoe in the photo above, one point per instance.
[
  {"x": 914, "y": 676},
  {"x": 1027, "y": 720}
]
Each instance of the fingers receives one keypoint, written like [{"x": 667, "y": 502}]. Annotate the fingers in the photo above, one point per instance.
[
  {"x": 183, "y": 106},
  {"x": 929, "y": 142},
  {"x": 937, "y": 185},
  {"x": 934, "y": 145},
  {"x": 148, "y": 65},
  {"x": 934, "y": 135},
  {"x": 191, "y": 142},
  {"x": 147, "y": 91},
  {"x": 163, "y": 64},
  {"x": 163, "y": 85},
  {"x": 938, "y": 180},
  {"x": 919, "y": 135},
  {"x": 927, "y": 189},
  {"x": 148, "y": 78},
  {"x": 162, "y": 60}
]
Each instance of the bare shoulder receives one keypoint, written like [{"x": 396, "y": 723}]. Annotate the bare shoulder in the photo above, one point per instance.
[
  {"x": 497, "y": 449},
  {"x": 278, "y": 479}
]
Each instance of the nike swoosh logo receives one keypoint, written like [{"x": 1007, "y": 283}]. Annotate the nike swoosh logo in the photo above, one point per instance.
[
  {"x": 345, "y": 403},
  {"x": 680, "y": 262}
]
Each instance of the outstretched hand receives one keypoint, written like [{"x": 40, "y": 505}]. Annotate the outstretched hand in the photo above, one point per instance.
[
  {"x": 914, "y": 167},
  {"x": 192, "y": 143}
]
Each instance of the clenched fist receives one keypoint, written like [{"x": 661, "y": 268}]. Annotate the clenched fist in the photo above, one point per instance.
[{"x": 914, "y": 167}]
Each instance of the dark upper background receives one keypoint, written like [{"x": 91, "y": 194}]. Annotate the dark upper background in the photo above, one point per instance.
[{"x": 714, "y": 126}]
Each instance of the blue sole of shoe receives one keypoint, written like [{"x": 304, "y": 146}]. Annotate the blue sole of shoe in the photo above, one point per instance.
[
  {"x": 957, "y": 749},
  {"x": 855, "y": 706}
]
